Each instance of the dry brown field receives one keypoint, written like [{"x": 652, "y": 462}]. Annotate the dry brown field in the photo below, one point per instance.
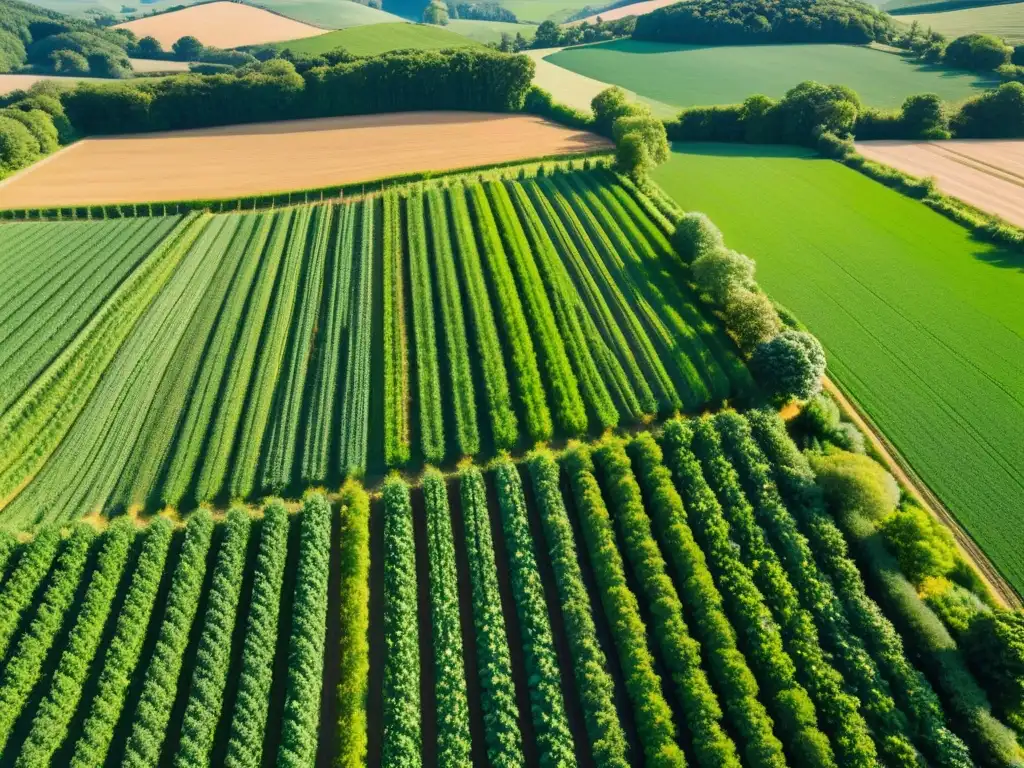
[
  {"x": 240, "y": 160},
  {"x": 988, "y": 174},
  {"x": 223, "y": 25},
  {"x": 634, "y": 9},
  {"x": 10, "y": 83}
]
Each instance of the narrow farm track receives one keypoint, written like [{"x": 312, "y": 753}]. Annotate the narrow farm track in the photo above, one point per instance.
[
  {"x": 923, "y": 495},
  {"x": 294, "y": 155}
]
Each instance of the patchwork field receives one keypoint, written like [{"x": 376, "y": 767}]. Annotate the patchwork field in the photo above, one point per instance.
[
  {"x": 373, "y": 39},
  {"x": 1005, "y": 21},
  {"x": 297, "y": 154},
  {"x": 628, "y": 603},
  {"x": 922, "y": 324},
  {"x": 633, "y": 9},
  {"x": 987, "y": 174},
  {"x": 692, "y": 75}
]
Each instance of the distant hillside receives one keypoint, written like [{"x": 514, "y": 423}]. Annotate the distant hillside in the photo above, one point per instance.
[
  {"x": 1003, "y": 20},
  {"x": 380, "y": 38},
  {"x": 54, "y": 43},
  {"x": 901, "y": 7}
]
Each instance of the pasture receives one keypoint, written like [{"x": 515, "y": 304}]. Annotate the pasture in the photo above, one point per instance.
[
  {"x": 986, "y": 174},
  {"x": 536, "y": 11},
  {"x": 373, "y": 39},
  {"x": 618, "y": 604},
  {"x": 297, "y": 154},
  {"x": 1005, "y": 21},
  {"x": 687, "y": 75},
  {"x": 923, "y": 325},
  {"x": 490, "y": 31}
]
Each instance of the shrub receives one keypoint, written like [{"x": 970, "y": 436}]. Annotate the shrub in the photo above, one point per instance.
[
  {"x": 923, "y": 546},
  {"x": 994, "y": 646},
  {"x": 811, "y": 107},
  {"x": 39, "y": 124},
  {"x": 540, "y": 102},
  {"x": 695, "y": 236},
  {"x": 977, "y": 51},
  {"x": 723, "y": 123},
  {"x": 819, "y": 420},
  {"x": 18, "y": 147},
  {"x": 856, "y": 482},
  {"x": 751, "y": 317},
  {"x": 790, "y": 365},
  {"x": 924, "y": 117},
  {"x": 721, "y": 272},
  {"x": 995, "y": 114},
  {"x": 104, "y": 64},
  {"x": 956, "y": 606},
  {"x": 187, "y": 48},
  {"x": 640, "y": 142},
  {"x": 149, "y": 48},
  {"x": 632, "y": 157}
]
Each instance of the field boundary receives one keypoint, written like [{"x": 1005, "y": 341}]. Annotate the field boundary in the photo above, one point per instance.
[
  {"x": 1001, "y": 589},
  {"x": 286, "y": 198}
]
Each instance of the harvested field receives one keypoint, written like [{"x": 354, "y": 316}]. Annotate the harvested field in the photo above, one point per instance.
[
  {"x": 987, "y": 174},
  {"x": 158, "y": 65},
  {"x": 268, "y": 157},
  {"x": 633, "y": 9},
  {"x": 224, "y": 25},
  {"x": 10, "y": 83}
]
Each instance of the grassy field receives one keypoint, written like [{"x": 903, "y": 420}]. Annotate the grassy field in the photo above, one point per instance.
[
  {"x": 489, "y": 31},
  {"x": 536, "y": 11},
  {"x": 1005, "y": 21},
  {"x": 377, "y": 38},
  {"x": 692, "y": 75},
  {"x": 923, "y": 325}
]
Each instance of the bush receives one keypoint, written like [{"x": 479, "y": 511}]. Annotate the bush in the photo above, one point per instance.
[
  {"x": 819, "y": 420},
  {"x": 67, "y": 63},
  {"x": 18, "y": 147},
  {"x": 830, "y": 145},
  {"x": 721, "y": 271},
  {"x": 609, "y": 105},
  {"x": 994, "y": 114},
  {"x": 751, "y": 317},
  {"x": 855, "y": 482},
  {"x": 977, "y": 51},
  {"x": 790, "y": 365},
  {"x": 811, "y": 107},
  {"x": 709, "y": 124},
  {"x": 108, "y": 65},
  {"x": 640, "y": 143},
  {"x": 923, "y": 546},
  {"x": 695, "y": 236},
  {"x": 540, "y": 102},
  {"x": 878, "y": 124},
  {"x": 994, "y": 646},
  {"x": 956, "y": 606},
  {"x": 149, "y": 48},
  {"x": 924, "y": 117},
  {"x": 436, "y": 12},
  {"x": 187, "y": 48},
  {"x": 39, "y": 124}
]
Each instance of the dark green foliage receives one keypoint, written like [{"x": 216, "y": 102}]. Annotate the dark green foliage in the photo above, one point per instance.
[
  {"x": 725, "y": 22},
  {"x": 977, "y": 51},
  {"x": 301, "y": 717},
  {"x": 402, "y": 738},
  {"x": 498, "y": 697},
  {"x": 187, "y": 48},
  {"x": 39, "y": 123},
  {"x": 995, "y": 114},
  {"x": 590, "y": 668},
  {"x": 790, "y": 365},
  {"x": 245, "y": 747},
  {"x": 994, "y": 646},
  {"x": 924, "y": 117},
  {"x": 18, "y": 147}
]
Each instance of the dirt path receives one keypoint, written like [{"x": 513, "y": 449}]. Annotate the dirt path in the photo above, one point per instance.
[
  {"x": 897, "y": 465},
  {"x": 241, "y": 160}
]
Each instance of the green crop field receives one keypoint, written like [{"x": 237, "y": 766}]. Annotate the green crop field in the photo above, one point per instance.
[
  {"x": 1005, "y": 21},
  {"x": 536, "y": 11},
  {"x": 490, "y": 31},
  {"x": 650, "y": 600},
  {"x": 923, "y": 325},
  {"x": 702, "y": 76},
  {"x": 323, "y": 341},
  {"x": 374, "y": 39}
]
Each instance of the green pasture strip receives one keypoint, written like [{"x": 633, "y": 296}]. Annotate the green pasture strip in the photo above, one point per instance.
[
  {"x": 1003, "y": 20},
  {"x": 922, "y": 324},
  {"x": 374, "y": 39},
  {"x": 692, "y": 75}
]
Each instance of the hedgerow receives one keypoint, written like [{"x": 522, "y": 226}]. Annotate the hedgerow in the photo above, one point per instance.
[
  {"x": 729, "y": 668},
  {"x": 160, "y": 682},
  {"x": 913, "y": 691},
  {"x": 300, "y": 720},
  {"x": 467, "y": 434},
  {"x": 24, "y": 665},
  {"x": 355, "y": 408},
  {"x": 283, "y": 433},
  {"x": 402, "y": 737},
  {"x": 653, "y": 716},
  {"x": 249, "y": 719},
  {"x": 530, "y": 389},
  {"x": 396, "y": 342},
  {"x": 504, "y": 426},
  {"x": 32, "y": 567},
  {"x": 428, "y": 376},
  {"x": 498, "y": 696},
  {"x": 53, "y": 716},
  {"x": 594, "y": 684},
  {"x": 453, "y": 741},
  {"x": 839, "y": 710},
  {"x": 206, "y": 693},
  {"x": 756, "y": 630},
  {"x": 681, "y": 653},
  {"x": 563, "y": 388},
  {"x": 121, "y": 659},
  {"x": 354, "y": 641}
]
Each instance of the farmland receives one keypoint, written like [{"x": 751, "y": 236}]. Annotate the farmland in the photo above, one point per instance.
[
  {"x": 372, "y": 39},
  {"x": 1005, "y": 21},
  {"x": 297, "y": 154},
  {"x": 702, "y": 76},
  {"x": 220, "y": 24},
  {"x": 922, "y": 324},
  {"x": 516, "y": 310},
  {"x": 677, "y": 597},
  {"x": 490, "y": 31}
]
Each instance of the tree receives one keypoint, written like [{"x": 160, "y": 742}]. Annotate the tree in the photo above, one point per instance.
[
  {"x": 853, "y": 482},
  {"x": 68, "y": 63},
  {"x": 104, "y": 64},
  {"x": 436, "y": 13},
  {"x": 995, "y": 650},
  {"x": 924, "y": 547},
  {"x": 721, "y": 271},
  {"x": 696, "y": 235},
  {"x": 924, "y": 117},
  {"x": 187, "y": 48},
  {"x": 1018, "y": 56},
  {"x": 811, "y": 107},
  {"x": 609, "y": 105},
  {"x": 751, "y": 318},
  {"x": 790, "y": 365},
  {"x": 149, "y": 48},
  {"x": 548, "y": 35},
  {"x": 633, "y": 157},
  {"x": 18, "y": 147},
  {"x": 994, "y": 114},
  {"x": 977, "y": 51}
]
